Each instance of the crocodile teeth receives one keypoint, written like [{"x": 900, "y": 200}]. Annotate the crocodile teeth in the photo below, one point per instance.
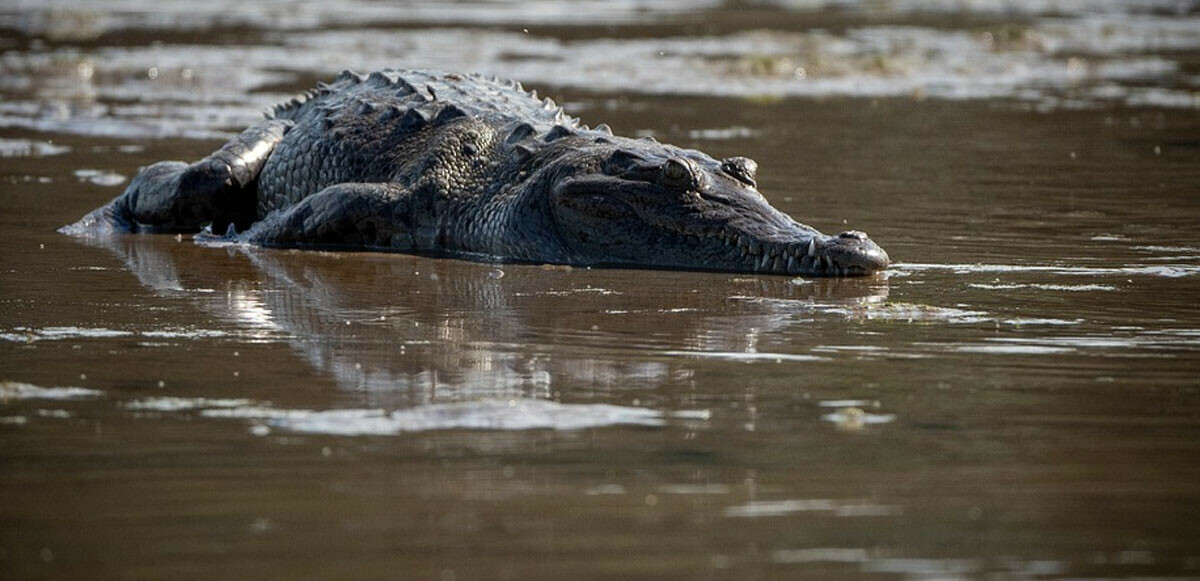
[
  {"x": 828, "y": 263},
  {"x": 812, "y": 246},
  {"x": 765, "y": 260},
  {"x": 791, "y": 262},
  {"x": 777, "y": 264}
]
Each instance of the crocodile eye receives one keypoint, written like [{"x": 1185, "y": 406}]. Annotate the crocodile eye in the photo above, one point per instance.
[
  {"x": 677, "y": 172},
  {"x": 742, "y": 169}
]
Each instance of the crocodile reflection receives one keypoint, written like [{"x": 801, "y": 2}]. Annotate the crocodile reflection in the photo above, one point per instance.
[{"x": 404, "y": 331}]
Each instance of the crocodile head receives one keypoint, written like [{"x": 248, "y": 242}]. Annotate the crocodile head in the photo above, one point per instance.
[{"x": 659, "y": 206}]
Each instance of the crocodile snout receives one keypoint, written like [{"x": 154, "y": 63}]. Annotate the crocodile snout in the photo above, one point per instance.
[{"x": 854, "y": 252}]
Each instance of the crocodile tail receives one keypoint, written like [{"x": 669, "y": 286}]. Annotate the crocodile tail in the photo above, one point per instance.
[{"x": 114, "y": 217}]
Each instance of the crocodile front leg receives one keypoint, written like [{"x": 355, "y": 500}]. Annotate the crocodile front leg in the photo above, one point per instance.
[
  {"x": 173, "y": 196},
  {"x": 350, "y": 216}
]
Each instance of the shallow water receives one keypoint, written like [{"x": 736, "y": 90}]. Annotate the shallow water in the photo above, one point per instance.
[{"x": 1015, "y": 399}]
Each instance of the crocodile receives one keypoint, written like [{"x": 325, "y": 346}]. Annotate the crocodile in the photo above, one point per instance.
[{"x": 462, "y": 165}]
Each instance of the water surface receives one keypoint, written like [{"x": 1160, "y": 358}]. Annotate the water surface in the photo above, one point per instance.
[{"x": 1015, "y": 399}]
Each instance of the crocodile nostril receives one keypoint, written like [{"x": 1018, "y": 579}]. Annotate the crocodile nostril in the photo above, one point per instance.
[{"x": 855, "y": 234}]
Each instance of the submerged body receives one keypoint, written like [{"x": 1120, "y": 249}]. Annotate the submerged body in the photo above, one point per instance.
[{"x": 430, "y": 162}]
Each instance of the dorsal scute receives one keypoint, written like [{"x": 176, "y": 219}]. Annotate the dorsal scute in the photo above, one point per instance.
[
  {"x": 522, "y": 152},
  {"x": 414, "y": 119},
  {"x": 349, "y": 75},
  {"x": 294, "y": 104},
  {"x": 519, "y": 133},
  {"x": 390, "y": 113},
  {"x": 379, "y": 79},
  {"x": 449, "y": 113},
  {"x": 501, "y": 103},
  {"x": 416, "y": 98},
  {"x": 557, "y": 132}
]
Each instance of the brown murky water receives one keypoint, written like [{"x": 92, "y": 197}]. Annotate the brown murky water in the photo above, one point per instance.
[{"x": 1016, "y": 399}]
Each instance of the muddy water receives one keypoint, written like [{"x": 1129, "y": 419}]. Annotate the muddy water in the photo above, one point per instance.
[{"x": 1015, "y": 399}]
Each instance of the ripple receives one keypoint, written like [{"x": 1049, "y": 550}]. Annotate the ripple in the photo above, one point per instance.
[
  {"x": 1118, "y": 346},
  {"x": 694, "y": 489},
  {"x": 734, "y": 132},
  {"x": 1168, "y": 271},
  {"x": 1020, "y": 321},
  {"x": 1167, "y": 249},
  {"x": 68, "y": 19},
  {"x": 100, "y": 177},
  {"x": 30, "y": 148},
  {"x": 13, "y": 390},
  {"x": 176, "y": 404},
  {"x": 906, "y": 312},
  {"x": 603, "y": 489},
  {"x": 526, "y": 414},
  {"x": 28, "y": 334},
  {"x": 775, "y": 508},
  {"x": 1012, "y": 349},
  {"x": 845, "y": 403},
  {"x": 743, "y": 356},
  {"x": 854, "y": 418},
  {"x": 25, "y": 334},
  {"x": 1049, "y": 287},
  {"x": 819, "y": 555},
  {"x": 1084, "y": 59}
]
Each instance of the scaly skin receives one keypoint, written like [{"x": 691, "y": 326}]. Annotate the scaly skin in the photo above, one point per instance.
[{"x": 444, "y": 164}]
